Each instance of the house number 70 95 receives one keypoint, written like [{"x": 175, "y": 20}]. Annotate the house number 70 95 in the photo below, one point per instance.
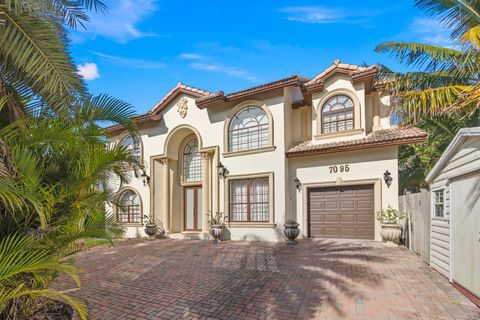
[{"x": 341, "y": 168}]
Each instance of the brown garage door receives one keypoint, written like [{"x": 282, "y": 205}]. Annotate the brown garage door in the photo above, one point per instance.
[{"x": 341, "y": 212}]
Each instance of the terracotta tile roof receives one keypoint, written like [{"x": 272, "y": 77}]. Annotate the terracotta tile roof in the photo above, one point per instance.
[
  {"x": 179, "y": 88},
  {"x": 292, "y": 80},
  {"x": 386, "y": 137},
  {"x": 153, "y": 113},
  {"x": 137, "y": 119},
  {"x": 354, "y": 71}
]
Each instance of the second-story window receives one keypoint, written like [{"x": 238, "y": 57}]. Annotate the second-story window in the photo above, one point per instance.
[
  {"x": 337, "y": 114},
  {"x": 132, "y": 144},
  {"x": 248, "y": 129}
]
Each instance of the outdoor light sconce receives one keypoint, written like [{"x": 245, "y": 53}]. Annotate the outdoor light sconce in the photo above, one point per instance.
[
  {"x": 387, "y": 177},
  {"x": 298, "y": 183},
  {"x": 222, "y": 171},
  {"x": 146, "y": 178}
]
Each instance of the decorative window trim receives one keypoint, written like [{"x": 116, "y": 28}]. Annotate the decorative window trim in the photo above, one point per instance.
[
  {"x": 271, "y": 192},
  {"x": 127, "y": 134},
  {"x": 181, "y": 161},
  {"x": 434, "y": 215},
  {"x": 339, "y": 134},
  {"x": 356, "y": 112},
  {"x": 115, "y": 207},
  {"x": 238, "y": 108}
]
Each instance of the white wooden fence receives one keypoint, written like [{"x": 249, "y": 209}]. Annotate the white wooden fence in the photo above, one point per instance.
[{"x": 417, "y": 206}]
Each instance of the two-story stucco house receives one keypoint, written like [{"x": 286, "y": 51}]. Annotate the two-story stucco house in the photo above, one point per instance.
[{"x": 314, "y": 150}]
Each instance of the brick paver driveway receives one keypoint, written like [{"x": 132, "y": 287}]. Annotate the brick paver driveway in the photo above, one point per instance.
[{"x": 178, "y": 279}]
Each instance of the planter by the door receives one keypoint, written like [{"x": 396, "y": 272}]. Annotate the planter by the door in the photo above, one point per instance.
[
  {"x": 216, "y": 230},
  {"x": 291, "y": 231},
  {"x": 151, "y": 230},
  {"x": 391, "y": 232}
]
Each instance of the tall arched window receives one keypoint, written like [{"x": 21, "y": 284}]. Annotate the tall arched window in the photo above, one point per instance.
[
  {"x": 132, "y": 143},
  {"x": 128, "y": 210},
  {"x": 248, "y": 129},
  {"x": 192, "y": 162},
  {"x": 337, "y": 114}
]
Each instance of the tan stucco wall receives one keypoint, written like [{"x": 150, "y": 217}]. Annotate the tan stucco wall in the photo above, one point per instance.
[
  {"x": 365, "y": 167},
  {"x": 209, "y": 126}
]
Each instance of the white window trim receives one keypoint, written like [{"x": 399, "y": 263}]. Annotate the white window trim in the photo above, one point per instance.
[{"x": 432, "y": 209}]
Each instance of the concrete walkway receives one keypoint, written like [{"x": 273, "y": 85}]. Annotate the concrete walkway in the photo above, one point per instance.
[{"x": 324, "y": 279}]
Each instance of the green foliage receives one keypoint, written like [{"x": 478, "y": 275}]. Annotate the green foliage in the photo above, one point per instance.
[
  {"x": 390, "y": 215},
  {"x": 446, "y": 80},
  {"x": 53, "y": 153},
  {"x": 217, "y": 218},
  {"x": 54, "y": 196},
  {"x": 416, "y": 160}
]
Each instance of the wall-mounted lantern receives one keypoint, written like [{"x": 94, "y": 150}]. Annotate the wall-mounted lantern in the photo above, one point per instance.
[
  {"x": 298, "y": 183},
  {"x": 146, "y": 178},
  {"x": 222, "y": 171},
  {"x": 387, "y": 177}
]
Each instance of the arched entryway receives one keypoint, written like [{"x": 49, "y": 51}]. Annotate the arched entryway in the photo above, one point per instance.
[{"x": 182, "y": 182}]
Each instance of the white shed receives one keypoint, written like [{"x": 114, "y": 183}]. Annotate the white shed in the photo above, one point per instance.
[{"x": 455, "y": 212}]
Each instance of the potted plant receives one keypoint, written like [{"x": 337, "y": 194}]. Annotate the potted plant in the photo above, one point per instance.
[
  {"x": 217, "y": 222},
  {"x": 150, "y": 227},
  {"x": 391, "y": 228},
  {"x": 291, "y": 231}
]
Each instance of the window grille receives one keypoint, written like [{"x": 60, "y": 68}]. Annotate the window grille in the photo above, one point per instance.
[{"x": 248, "y": 130}]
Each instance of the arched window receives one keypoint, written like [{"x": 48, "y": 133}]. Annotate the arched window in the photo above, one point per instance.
[
  {"x": 337, "y": 114},
  {"x": 192, "y": 162},
  {"x": 132, "y": 143},
  {"x": 248, "y": 129},
  {"x": 128, "y": 210}
]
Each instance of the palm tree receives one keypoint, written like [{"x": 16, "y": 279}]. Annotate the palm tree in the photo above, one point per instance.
[
  {"x": 53, "y": 201},
  {"x": 447, "y": 80},
  {"x": 34, "y": 57}
]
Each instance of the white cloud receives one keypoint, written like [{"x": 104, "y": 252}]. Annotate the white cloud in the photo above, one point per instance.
[
  {"x": 131, "y": 62},
  {"x": 328, "y": 15},
  {"x": 230, "y": 71},
  {"x": 121, "y": 21},
  {"x": 88, "y": 71},
  {"x": 191, "y": 56},
  {"x": 432, "y": 31}
]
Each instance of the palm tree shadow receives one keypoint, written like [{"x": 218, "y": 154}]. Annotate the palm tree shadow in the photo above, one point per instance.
[{"x": 297, "y": 283}]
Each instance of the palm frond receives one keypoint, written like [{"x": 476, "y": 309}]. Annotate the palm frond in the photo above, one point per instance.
[
  {"x": 458, "y": 15},
  {"x": 32, "y": 50},
  {"x": 429, "y": 57}
]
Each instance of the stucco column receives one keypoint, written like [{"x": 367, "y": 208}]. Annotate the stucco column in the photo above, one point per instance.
[
  {"x": 376, "y": 111},
  {"x": 166, "y": 194},
  {"x": 205, "y": 191}
]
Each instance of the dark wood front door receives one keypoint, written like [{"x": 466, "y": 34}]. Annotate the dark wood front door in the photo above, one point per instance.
[
  {"x": 192, "y": 208},
  {"x": 341, "y": 212}
]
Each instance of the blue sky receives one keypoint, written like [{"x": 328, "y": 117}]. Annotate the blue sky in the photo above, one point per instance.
[{"x": 141, "y": 48}]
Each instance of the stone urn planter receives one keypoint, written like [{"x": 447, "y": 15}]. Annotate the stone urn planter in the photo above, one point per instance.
[
  {"x": 291, "y": 231},
  {"x": 217, "y": 223},
  {"x": 216, "y": 230},
  {"x": 151, "y": 230},
  {"x": 391, "y": 232},
  {"x": 391, "y": 229},
  {"x": 150, "y": 227}
]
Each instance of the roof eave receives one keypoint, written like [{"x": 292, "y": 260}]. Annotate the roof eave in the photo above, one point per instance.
[
  {"x": 293, "y": 81},
  {"x": 294, "y": 154}
]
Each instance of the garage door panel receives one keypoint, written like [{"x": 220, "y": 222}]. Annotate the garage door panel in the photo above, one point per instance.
[
  {"x": 342, "y": 212},
  {"x": 347, "y": 204},
  {"x": 330, "y": 205}
]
